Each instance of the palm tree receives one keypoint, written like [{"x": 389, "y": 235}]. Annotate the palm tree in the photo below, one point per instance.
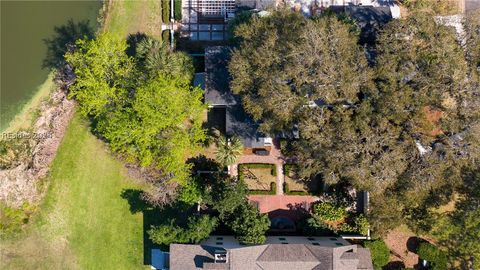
[
  {"x": 157, "y": 58},
  {"x": 228, "y": 150}
]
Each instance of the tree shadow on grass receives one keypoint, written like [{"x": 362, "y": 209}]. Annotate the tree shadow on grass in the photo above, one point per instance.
[
  {"x": 152, "y": 216},
  {"x": 134, "y": 199}
]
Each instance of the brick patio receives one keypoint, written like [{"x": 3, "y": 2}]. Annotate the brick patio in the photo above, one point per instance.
[{"x": 291, "y": 206}]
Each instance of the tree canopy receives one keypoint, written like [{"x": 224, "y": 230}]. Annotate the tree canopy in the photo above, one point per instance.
[
  {"x": 228, "y": 150},
  {"x": 249, "y": 225},
  {"x": 402, "y": 129},
  {"x": 459, "y": 230},
  {"x": 278, "y": 70},
  {"x": 103, "y": 74},
  {"x": 198, "y": 228},
  {"x": 153, "y": 119}
]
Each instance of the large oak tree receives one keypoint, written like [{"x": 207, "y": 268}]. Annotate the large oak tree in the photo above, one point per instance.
[
  {"x": 278, "y": 70},
  {"x": 404, "y": 132},
  {"x": 153, "y": 119}
]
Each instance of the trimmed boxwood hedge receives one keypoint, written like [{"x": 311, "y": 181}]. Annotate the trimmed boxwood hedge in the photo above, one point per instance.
[
  {"x": 273, "y": 172},
  {"x": 287, "y": 191},
  {"x": 165, "y": 11},
  {"x": 166, "y": 36},
  {"x": 287, "y": 168},
  {"x": 380, "y": 252},
  {"x": 272, "y": 191},
  {"x": 178, "y": 10},
  {"x": 273, "y": 169}
]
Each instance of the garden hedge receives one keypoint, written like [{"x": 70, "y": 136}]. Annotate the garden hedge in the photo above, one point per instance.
[
  {"x": 165, "y": 11},
  {"x": 432, "y": 254},
  {"x": 166, "y": 36},
  {"x": 287, "y": 168},
  {"x": 273, "y": 170},
  {"x": 380, "y": 252},
  {"x": 272, "y": 191},
  {"x": 178, "y": 10},
  {"x": 287, "y": 191}
]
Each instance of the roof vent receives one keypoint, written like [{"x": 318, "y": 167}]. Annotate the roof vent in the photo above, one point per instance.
[{"x": 220, "y": 256}]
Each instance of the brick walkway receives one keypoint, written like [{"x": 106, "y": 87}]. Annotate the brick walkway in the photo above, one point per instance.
[
  {"x": 275, "y": 157},
  {"x": 291, "y": 206}
]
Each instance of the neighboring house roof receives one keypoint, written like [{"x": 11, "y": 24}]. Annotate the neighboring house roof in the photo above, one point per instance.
[
  {"x": 239, "y": 123},
  {"x": 218, "y": 93},
  {"x": 217, "y": 77},
  {"x": 272, "y": 256},
  {"x": 369, "y": 19}
]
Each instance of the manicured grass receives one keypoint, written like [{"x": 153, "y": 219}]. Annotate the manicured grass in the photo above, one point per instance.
[
  {"x": 132, "y": 16},
  {"x": 84, "y": 223}
]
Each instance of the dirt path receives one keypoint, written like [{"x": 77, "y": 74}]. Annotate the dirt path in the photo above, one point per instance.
[{"x": 403, "y": 243}]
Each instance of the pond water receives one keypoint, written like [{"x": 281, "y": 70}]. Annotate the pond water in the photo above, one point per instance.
[{"x": 24, "y": 26}]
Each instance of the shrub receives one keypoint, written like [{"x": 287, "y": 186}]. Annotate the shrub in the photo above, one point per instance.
[
  {"x": 15, "y": 151},
  {"x": 178, "y": 10},
  {"x": 287, "y": 168},
  {"x": 197, "y": 229},
  {"x": 166, "y": 11},
  {"x": 166, "y": 36},
  {"x": 380, "y": 252},
  {"x": 327, "y": 211},
  {"x": 361, "y": 224},
  {"x": 273, "y": 170},
  {"x": 249, "y": 225},
  {"x": 432, "y": 254},
  {"x": 314, "y": 227},
  {"x": 346, "y": 228},
  {"x": 13, "y": 219},
  {"x": 287, "y": 191}
]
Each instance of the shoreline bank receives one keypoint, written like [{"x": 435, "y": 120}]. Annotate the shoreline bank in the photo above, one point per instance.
[{"x": 25, "y": 118}]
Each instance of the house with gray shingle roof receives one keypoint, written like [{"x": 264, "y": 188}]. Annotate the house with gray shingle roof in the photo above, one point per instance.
[
  {"x": 270, "y": 257},
  {"x": 219, "y": 95}
]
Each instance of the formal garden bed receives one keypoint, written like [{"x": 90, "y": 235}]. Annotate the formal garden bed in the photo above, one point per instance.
[{"x": 259, "y": 178}]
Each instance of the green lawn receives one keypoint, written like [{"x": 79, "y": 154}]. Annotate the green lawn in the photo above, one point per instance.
[
  {"x": 84, "y": 223},
  {"x": 132, "y": 16}
]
